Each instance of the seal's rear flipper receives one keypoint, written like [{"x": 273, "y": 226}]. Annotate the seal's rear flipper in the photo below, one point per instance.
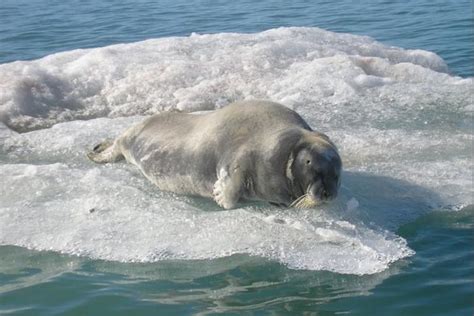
[{"x": 104, "y": 152}]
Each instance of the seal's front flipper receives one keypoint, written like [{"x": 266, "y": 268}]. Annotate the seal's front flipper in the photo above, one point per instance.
[
  {"x": 228, "y": 188},
  {"x": 104, "y": 152}
]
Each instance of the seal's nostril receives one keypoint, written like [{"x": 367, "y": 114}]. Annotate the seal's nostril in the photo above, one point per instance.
[{"x": 325, "y": 195}]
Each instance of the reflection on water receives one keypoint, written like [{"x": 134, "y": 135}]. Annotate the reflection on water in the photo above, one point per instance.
[
  {"x": 54, "y": 282},
  {"x": 236, "y": 283}
]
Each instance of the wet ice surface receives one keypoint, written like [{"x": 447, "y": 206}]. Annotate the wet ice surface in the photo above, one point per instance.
[
  {"x": 361, "y": 79},
  {"x": 402, "y": 124}
]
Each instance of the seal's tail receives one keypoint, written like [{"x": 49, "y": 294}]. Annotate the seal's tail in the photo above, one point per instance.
[{"x": 106, "y": 151}]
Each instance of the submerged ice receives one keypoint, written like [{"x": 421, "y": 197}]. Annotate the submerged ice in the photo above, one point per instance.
[{"x": 402, "y": 123}]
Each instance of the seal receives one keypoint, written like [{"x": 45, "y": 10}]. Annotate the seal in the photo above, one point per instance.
[{"x": 252, "y": 150}]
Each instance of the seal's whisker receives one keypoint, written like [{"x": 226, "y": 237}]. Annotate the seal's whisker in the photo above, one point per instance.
[
  {"x": 304, "y": 201},
  {"x": 295, "y": 202}
]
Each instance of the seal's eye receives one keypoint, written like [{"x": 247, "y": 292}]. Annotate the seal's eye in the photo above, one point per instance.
[{"x": 308, "y": 162}]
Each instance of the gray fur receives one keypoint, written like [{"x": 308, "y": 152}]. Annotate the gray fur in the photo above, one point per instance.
[{"x": 250, "y": 149}]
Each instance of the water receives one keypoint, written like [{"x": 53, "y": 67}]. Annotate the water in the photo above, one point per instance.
[
  {"x": 436, "y": 281},
  {"x": 398, "y": 239},
  {"x": 32, "y": 29}
]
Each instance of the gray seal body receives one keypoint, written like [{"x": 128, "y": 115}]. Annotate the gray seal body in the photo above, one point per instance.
[{"x": 255, "y": 150}]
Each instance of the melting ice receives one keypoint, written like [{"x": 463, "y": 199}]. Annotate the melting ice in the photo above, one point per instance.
[{"x": 402, "y": 122}]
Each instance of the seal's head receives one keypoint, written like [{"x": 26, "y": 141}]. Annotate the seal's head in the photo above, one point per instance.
[{"x": 315, "y": 170}]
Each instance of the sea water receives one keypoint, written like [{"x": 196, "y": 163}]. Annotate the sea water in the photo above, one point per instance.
[{"x": 80, "y": 238}]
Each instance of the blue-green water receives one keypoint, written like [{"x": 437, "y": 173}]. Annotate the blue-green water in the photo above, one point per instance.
[
  {"x": 437, "y": 280},
  {"x": 31, "y": 29}
]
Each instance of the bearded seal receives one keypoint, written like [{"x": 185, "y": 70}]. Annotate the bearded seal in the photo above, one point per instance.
[{"x": 252, "y": 150}]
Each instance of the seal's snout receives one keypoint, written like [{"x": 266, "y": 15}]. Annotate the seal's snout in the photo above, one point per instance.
[
  {"x": 321, "y": 195},
  {"x": 315, "y": 195}
]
